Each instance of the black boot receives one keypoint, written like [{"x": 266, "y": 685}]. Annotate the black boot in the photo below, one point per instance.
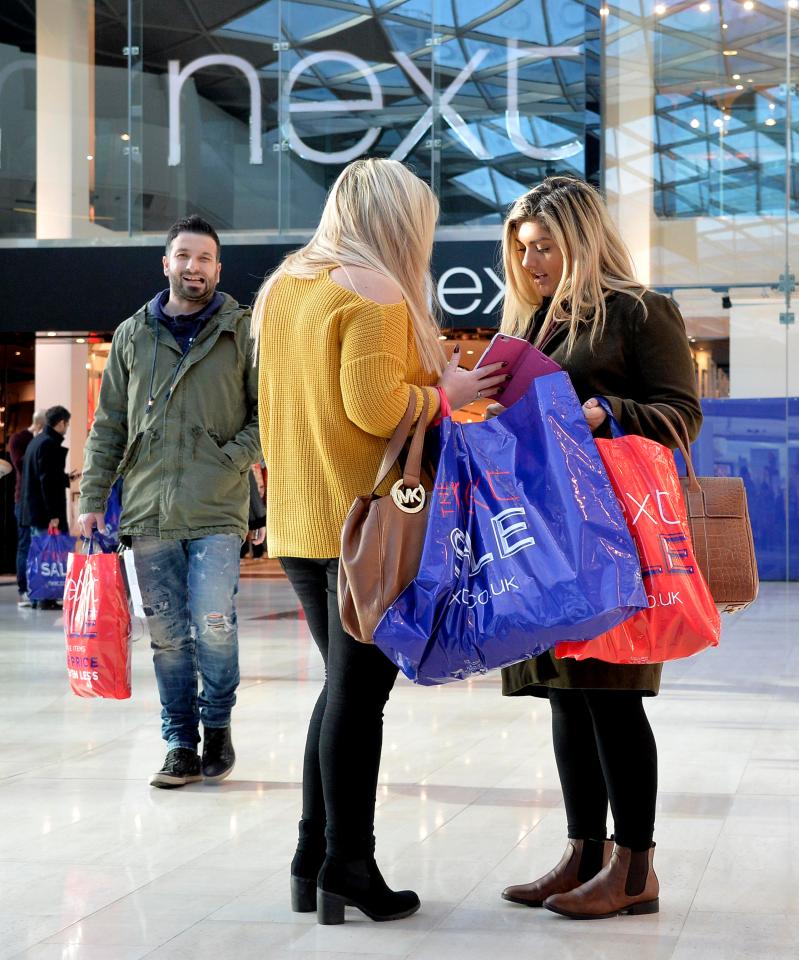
[
  {"x": 218, "y": 753},
  {"x": 305, "y": 866},
  {"x": 359, "y": 883}
]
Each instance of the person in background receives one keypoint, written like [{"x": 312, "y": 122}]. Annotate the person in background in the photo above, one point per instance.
[
  {"x": 44, "y": 477},
  {"x": 177, "y": 418},
  {"x": 572, "y": 291},
  {"x": 17, "y": 445},
  {"x": 345, "y": 341},
  {"x": 257, "y": 518}
]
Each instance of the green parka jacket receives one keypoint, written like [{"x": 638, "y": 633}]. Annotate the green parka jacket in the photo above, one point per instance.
[{"x": 185, "y": 457}]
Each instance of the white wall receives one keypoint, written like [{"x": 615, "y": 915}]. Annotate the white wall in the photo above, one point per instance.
[{"x": 759, "y": 344}]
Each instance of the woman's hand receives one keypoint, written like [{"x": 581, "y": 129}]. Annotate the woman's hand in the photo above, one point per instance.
[
  {"x": 494, "y": 410},
  {"x": 466, "y": 386},
  {"x": 594, "y": 414}
]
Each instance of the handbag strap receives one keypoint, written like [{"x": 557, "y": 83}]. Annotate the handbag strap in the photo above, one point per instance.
[
  {"x": 411, "y": 475},
  {"x": 694, "y": 498},
  {"x": 413, "y": 464},
  {"x": 683, "y": 442}
]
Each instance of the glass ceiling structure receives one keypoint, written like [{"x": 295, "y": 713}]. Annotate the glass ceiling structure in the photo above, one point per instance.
[{"x": 482, "y": 97}]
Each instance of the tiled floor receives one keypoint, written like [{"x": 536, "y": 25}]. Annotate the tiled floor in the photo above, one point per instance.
[{"x": 96, "y": 865}]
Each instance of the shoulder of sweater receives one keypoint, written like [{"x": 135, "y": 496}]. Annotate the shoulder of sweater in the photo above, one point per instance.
[{"x": 369, "y": 284}]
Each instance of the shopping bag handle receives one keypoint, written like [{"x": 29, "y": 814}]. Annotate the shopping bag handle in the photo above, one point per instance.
[
  {"x": 615, "y": 427},
  {"x": 413, "y": 463},
  {"x": 681, "y": 439},
  {"x": 88, "y": 543}
]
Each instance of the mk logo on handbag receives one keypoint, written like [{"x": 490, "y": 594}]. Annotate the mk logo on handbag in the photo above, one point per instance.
[{"x": 408, "y": 499}]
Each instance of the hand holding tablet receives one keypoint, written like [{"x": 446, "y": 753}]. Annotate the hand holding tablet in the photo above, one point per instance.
[{"x": 524, "y": 364}]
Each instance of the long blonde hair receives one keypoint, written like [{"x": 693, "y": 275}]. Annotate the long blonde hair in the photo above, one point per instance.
[
  {"x": 381, "y": 216},
  {"x": 595, "y": 259}
]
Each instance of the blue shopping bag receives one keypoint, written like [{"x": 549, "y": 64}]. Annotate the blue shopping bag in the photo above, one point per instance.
[
  {"x": 526, "y": 544},
  {"x": 113, "y": 513},
  {"x": 47, "y": 565}
]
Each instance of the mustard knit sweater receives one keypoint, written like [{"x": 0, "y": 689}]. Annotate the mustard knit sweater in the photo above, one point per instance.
[{"x": 336, "y": 372}]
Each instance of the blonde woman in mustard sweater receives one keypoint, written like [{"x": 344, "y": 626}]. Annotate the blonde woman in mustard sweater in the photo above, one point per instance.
[{"x": 345, "y": 338}]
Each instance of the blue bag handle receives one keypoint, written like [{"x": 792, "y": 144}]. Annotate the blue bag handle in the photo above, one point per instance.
[
  {"x": 91, "y": 540},
  {"x": 615, "y": 427}
]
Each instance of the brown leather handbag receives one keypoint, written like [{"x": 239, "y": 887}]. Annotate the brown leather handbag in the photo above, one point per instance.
[
  {"x": 382, "y": 537},
  {"x": 721, "y": 531}
]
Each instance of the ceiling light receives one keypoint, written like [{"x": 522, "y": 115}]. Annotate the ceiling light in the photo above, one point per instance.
[
  {"x": 773, "y": 106},
  {"x": 704, "y": 7},
  {"x": 18, "y": 353},
  {"x": 81, "y": 340},
  {"x": 727, "y": 116},
  {"x": 51, "y": 333},
  {"x": 730, "y": 53},
  {"x": 749, "y": 5},
  {"x": 736, "y": 76},
  {"x": 88, "y": 366},
  {"x": 771, "y": 122},
  {"x": 739, "y": 86},
  {"x": 89, "y": 156},
  {"x": 125, "y": 136},
  {"x": 718, "y": 122},
  {"x": 694, "y": 123},
  {"x": 725, "y": 26},
  {"x": 660, "y": 9},
  {"x": 603, "y": 11}
]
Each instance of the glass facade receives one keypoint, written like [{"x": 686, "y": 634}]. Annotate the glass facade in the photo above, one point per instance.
[
  {"x": 249, "y": 114},
  {"x": 119, "y": 116}
]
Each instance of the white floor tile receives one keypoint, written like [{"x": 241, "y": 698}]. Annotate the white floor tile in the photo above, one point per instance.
[{"x": 97, "y": 865}]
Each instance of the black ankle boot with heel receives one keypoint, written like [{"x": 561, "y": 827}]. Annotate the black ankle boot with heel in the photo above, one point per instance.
[
  {"x": 304, "y": 870},
  {"x": 359, "y": 883},
  {"x": 305, "y": 866}
]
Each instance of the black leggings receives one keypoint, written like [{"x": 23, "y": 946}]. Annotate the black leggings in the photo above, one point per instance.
[
  {"x": 605, "y": 750},
  {"x": 345, "y": 734}
]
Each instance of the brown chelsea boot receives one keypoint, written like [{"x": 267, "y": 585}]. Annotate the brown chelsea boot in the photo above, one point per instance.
[
  {"x": 627, "y": 884},
  {"x": 582, "y": 860}
]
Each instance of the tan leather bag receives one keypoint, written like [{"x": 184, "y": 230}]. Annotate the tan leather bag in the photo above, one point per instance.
[
  {"x": 721, "y": 531},
  {"x": 382, "y": 537}
]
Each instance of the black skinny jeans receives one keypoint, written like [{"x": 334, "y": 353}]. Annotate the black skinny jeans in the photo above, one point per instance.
[
  {"x": 345, "y": 734},
  {"x": 605, "y": 750}
]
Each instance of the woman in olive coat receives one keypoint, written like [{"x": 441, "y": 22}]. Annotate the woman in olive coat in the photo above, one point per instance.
[{"x": 571, "y": 290}]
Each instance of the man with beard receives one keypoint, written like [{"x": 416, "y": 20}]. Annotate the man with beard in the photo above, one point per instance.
[{"x": 177, "y": 419}]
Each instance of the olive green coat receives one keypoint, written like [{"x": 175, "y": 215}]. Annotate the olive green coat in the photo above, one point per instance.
[
  {"x": 185, "y": 459},
  {"x": 638, "y": 360}
]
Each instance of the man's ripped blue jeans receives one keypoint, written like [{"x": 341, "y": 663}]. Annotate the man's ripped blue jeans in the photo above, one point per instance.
[{"x": 189, "y": 589}]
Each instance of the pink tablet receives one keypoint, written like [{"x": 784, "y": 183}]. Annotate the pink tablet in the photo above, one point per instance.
[{"x": 525, "y": 363}]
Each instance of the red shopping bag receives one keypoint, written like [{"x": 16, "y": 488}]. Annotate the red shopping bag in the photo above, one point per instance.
[
  {"x": 682, "y": 617},
  {"x": 97, "y": 626}
]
